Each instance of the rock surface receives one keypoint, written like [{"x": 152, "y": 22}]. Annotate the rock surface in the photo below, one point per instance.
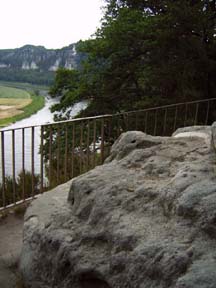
[
  {"x": 10, "y": 249},
  {"x": 144, "y": 219}
]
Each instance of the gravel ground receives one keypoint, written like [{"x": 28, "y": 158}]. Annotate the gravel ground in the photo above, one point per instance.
[{"x": 10, "y": 247}]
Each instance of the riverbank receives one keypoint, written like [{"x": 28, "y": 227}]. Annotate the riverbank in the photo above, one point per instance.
[
  {"x": 36, "y": 104},
  {"x": 43, "y": 116}
]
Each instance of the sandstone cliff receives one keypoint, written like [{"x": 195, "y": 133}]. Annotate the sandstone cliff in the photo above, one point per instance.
[
  {"x": 144, "y": 219},
  {"x": 36, "y": 64},
  {"x": 30, "y": 57}
]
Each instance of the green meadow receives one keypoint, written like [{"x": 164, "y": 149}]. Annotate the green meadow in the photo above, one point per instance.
[
  {"x": 17, "y": 104},
  {"x": 9, "y": 92}
]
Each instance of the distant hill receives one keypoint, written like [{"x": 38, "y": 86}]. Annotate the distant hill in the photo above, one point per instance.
[{"x": 36, "y": 64}]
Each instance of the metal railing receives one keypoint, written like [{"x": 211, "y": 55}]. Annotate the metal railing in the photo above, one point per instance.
[{"x": 35, "y": 159}]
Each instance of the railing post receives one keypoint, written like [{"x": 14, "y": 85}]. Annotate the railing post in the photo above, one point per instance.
[
  {"x": 94, "y": 143},
  {"x": 32, "y": 161},
  {"x": 58, "y": 155},
  {"x": 185, "y": 119},
  {"x": 50, "y": 156},
  {"x": 155, "y": 122},
  {"x": 165, "y": 122},
  {"x": 127, "y": 121},
  {"x": 118, "y": 126},
  {"x": 136, "y": 120},
  {"x": 102, "y": 140},
  {"x": 87, "y": 145},
  {"x": 175, "y": 119},
  {"x": 196, "y": 114},
  {"x": 32, "y": 149},
  {"x": 13, "y": 167},
  {"x": 72, "y": 152},
  {"x": 81, "y": 146},
  {"x": 3, "y": 168},
  {"x": 109, "y": 120},
  {"x": 146, "y": 121},
  {"x": 66, "y": 153},
  {"x": 23, "y": 163},
  {"x": 41, "y": 160},
  {"x": 207, "y": 113}
]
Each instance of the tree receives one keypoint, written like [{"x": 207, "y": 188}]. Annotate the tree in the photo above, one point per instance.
[
  {"x": 148, "y": 53},
  {"x": 66, "y": 85}
]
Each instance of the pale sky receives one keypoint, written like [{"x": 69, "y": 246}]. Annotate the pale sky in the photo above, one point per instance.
[{"x": 50, "y": 23}]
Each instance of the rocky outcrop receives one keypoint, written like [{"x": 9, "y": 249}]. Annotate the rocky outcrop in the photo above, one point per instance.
[
  {"x": 144, "y": 219},
  {"x": 30, "y": 57},
  {"x": 36, "y": 64}
]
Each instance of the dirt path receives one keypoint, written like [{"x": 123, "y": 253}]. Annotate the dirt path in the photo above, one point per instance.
[
  {"x": 10, "y": 107},
  {"x": 10, "y": 247}
]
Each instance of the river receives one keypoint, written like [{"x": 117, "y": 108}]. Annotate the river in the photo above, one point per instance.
[{"x": 41, "y": 117}]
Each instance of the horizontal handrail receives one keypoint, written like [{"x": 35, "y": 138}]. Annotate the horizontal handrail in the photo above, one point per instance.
[
  {"x": 170, "y": 105},
  {"x": 112, "y": 115}
]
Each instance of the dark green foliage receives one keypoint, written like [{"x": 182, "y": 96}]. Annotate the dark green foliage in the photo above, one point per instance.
[
  {"x": 148, "y": 53},
  {"x": 29, "y": 76},
  {"x": 67, "y": 86}
]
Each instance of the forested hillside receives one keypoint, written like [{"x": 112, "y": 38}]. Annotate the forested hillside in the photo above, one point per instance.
[{"x": 145, "y": 53}]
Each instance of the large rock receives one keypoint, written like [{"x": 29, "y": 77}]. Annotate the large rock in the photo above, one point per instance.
[{"x": 144, "y": 219}]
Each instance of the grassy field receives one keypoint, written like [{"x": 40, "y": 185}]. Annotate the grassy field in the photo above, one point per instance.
[
  {"x": 24, "y": 86},
  {"x": 14, "y": 93},
  {"x": 17, "y": 104}
]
